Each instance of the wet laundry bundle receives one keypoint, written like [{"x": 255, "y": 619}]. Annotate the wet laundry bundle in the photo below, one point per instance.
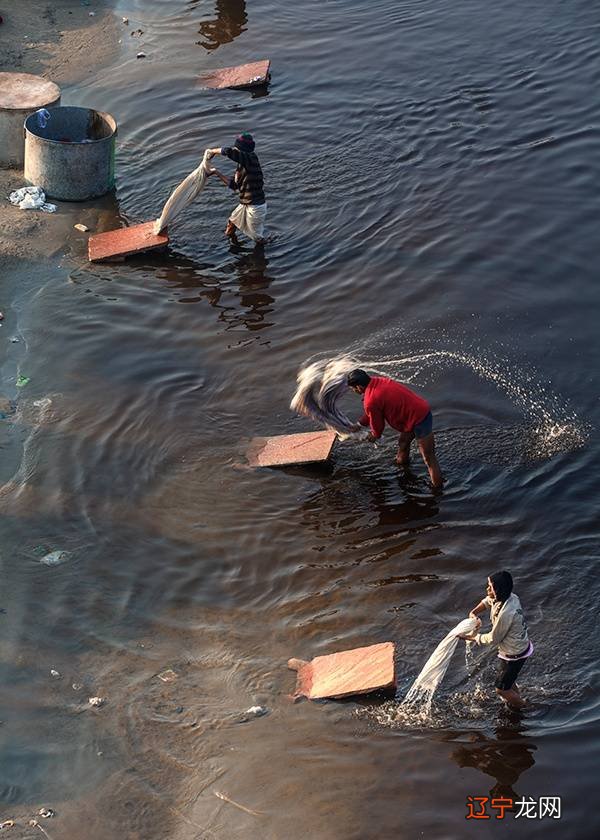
[
  {"x": 183, "y": 195},
  {"x": 320, "y": 387},
  {"x": 424, "y": 687}
]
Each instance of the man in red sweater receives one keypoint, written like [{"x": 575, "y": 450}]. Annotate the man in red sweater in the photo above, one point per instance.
[{"x": 387, "y": 401}]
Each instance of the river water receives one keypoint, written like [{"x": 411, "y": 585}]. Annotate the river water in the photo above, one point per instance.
[{"x": 432, "y": 175}]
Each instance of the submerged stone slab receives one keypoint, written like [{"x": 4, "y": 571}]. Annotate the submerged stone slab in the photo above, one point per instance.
[
  {"x": 243, "y": 76},
  {"x": 121, "y": 243},
  {"x": 286, "y": 450},
  {"x": 357, "y": 671}
]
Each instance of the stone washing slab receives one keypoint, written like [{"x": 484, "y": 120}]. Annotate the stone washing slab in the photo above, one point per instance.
[
  {"x": 357, "y": 671},
  {"x": 238, "y": 78},
  {"x": 287, "y": 450},
  {"x": 121, "y": 243}
]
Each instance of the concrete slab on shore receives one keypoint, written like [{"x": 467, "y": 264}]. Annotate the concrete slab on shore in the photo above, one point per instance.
[
  {"x": 121, "y": 243},
  {"x": 289, "y": 450}
]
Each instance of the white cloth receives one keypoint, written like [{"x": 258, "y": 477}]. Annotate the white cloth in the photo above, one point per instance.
[
  {"x": 320, "y": 387},
  {"x": 183, "y": 195},
  {"x": 436, "y": 666},
  {"x": 31, "y": 198},
  {"x": 250, "y": 219}
]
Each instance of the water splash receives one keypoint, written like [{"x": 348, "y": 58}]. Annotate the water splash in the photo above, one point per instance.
[
  {"x": 551, "y": 427},
  {"x": 417, "y": 706}
]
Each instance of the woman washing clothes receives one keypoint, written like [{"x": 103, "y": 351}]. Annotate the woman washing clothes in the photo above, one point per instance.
[{"x": 508, "y": 634}]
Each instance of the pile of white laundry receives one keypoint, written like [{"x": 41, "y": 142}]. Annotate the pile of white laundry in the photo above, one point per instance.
[{"x": 31, "y": 198}]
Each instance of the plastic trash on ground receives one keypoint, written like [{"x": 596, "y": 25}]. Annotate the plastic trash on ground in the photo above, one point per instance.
[{"x": 31, "y": 198}]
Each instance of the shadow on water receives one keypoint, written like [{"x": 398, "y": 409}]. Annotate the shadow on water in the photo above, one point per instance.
[
  {"x": 370, "y": 505},
  {"x": 504, "y": 757},
  {"x": 248, "y": 305},
  {"x": 238, "y": 289}
]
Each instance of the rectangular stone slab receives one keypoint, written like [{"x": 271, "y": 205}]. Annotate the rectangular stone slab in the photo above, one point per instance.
[
  {"x": 357, "y": 671},
  {"x": 240, "y": 77},
  {"x": 117, "y": 244},
  {"x": 285, "y": 450}
]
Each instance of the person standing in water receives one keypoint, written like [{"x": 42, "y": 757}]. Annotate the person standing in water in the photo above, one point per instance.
[
  {"x": 251, "y": 213},
  {"x": 387, "y": 401},
  {"x": 508, "y": 634}
]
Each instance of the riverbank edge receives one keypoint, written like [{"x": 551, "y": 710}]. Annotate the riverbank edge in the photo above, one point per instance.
[{"x": 68, "y": 43}]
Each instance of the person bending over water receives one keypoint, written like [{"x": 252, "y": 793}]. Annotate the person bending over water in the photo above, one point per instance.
[
  {"x": 508, "y": 634},
  {"x": 387, "y": 401},
  {"x": 251, "y": 213}
]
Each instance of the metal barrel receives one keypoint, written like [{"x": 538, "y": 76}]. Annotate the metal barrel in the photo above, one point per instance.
[{"x": 72, "y": 157}]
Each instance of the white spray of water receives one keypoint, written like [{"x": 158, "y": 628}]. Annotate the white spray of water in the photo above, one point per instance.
[
  {"x": 416, "y": 708},
  {"x": 552, "y": 429}
]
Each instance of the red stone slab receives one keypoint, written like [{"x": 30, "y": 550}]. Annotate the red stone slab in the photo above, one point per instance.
[
  {"x": 117, "y": 244},
  {"x": 244, "y": 76},
  {"x": 285, "y": 450},
  {"x": 357, "y": 671}
]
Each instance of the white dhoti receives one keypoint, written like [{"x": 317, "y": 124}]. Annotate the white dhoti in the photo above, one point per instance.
[{"x": 250, "y": 219}]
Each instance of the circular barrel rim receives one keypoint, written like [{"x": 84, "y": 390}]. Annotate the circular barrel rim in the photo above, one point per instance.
[{"x": 108, "y": 117}]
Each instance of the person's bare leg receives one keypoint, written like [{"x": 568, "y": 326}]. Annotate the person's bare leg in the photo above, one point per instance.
[
  {"x": 403, "y": 454},
  {"x": 427, "y": 449},
  {"x": 512, "y": 697},
  {"x": 231, "y": 231}
]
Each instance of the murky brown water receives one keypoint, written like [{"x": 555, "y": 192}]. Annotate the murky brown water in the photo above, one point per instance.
[{"x": 432, "y": 175}]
